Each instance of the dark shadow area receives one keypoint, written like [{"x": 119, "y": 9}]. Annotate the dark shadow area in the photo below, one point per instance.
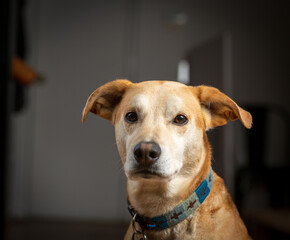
[
  {"x": 64, "y": 229},
  {"x": 262, "y": 194}
]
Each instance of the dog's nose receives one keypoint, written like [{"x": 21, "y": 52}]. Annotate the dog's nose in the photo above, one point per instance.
[{"x": 146, "y": 153}]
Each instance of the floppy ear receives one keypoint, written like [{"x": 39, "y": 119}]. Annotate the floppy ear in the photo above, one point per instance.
[
  {"x": 218, "y": 108},
  {"x": 104, "y": 99}
]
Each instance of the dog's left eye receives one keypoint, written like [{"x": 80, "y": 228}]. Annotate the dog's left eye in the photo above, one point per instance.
[
  {"x": 131, "y": 117},
  {"x": 180, "y": 120}
]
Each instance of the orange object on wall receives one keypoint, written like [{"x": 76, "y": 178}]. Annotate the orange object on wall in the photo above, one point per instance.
[{"x": 22, "y": 72}]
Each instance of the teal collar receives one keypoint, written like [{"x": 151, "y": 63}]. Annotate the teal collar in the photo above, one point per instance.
[{"x": 180, "y": 212}]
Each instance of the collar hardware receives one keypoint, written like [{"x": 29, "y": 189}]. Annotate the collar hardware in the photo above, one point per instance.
[{"x": 136, "y": 231}]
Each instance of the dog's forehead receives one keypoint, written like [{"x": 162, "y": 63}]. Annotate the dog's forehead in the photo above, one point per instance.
[
  {"x": 161, "y": 85},
  {"x": 169, "y": 95},
  {"x": 160, "y": 97},
  {"x": 143, "y": 100}
]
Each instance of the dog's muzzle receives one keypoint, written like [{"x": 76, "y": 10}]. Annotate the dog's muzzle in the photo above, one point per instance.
[{"x": 146, "y": 153}]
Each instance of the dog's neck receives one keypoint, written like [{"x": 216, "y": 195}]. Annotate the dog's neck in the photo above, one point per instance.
[{"x": 152, "y": 197}]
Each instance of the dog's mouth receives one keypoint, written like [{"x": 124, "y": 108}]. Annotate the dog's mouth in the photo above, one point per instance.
[{"x": 148, "y": 174}]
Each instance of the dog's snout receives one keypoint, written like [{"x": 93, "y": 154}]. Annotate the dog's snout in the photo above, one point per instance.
[{"x": 146, "y": 153}]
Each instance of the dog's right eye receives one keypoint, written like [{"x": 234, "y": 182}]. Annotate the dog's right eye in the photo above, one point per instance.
[
  {"x": 180, "y": 120},
  {"x": 131, "y": 117}
]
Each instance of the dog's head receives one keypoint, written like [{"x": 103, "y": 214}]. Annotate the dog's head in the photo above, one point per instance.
[{"x": 160, "y": 125}]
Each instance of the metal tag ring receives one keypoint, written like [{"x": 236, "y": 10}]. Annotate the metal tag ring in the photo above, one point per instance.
[
  {"x": 144, "y": 236},
  {"x": 134, "y": 226},
  {"x": 136, "y": 231}
]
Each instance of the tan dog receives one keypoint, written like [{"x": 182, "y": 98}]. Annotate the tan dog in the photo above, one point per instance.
[{"x": 160, "y": 129}]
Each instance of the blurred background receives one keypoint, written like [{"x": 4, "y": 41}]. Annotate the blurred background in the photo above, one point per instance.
[{"x": 61, "y": 179}]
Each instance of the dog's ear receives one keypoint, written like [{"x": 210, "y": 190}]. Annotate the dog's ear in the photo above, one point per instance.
[
  {"x": 104, "y": 99},
  {"x": 218, "y": 108}
]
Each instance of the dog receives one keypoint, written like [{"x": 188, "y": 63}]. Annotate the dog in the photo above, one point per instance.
[{"x": 160, "y": 129}]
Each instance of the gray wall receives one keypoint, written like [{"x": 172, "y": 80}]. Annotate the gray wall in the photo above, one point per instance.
[
  {"x": 72, "y": 170},
  {"x": 61, "y": 168}
]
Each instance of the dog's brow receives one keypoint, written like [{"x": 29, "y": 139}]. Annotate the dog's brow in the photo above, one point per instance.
[
  {"x": 173, "y": 107},
  {"x": 140, "y": 102}
]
